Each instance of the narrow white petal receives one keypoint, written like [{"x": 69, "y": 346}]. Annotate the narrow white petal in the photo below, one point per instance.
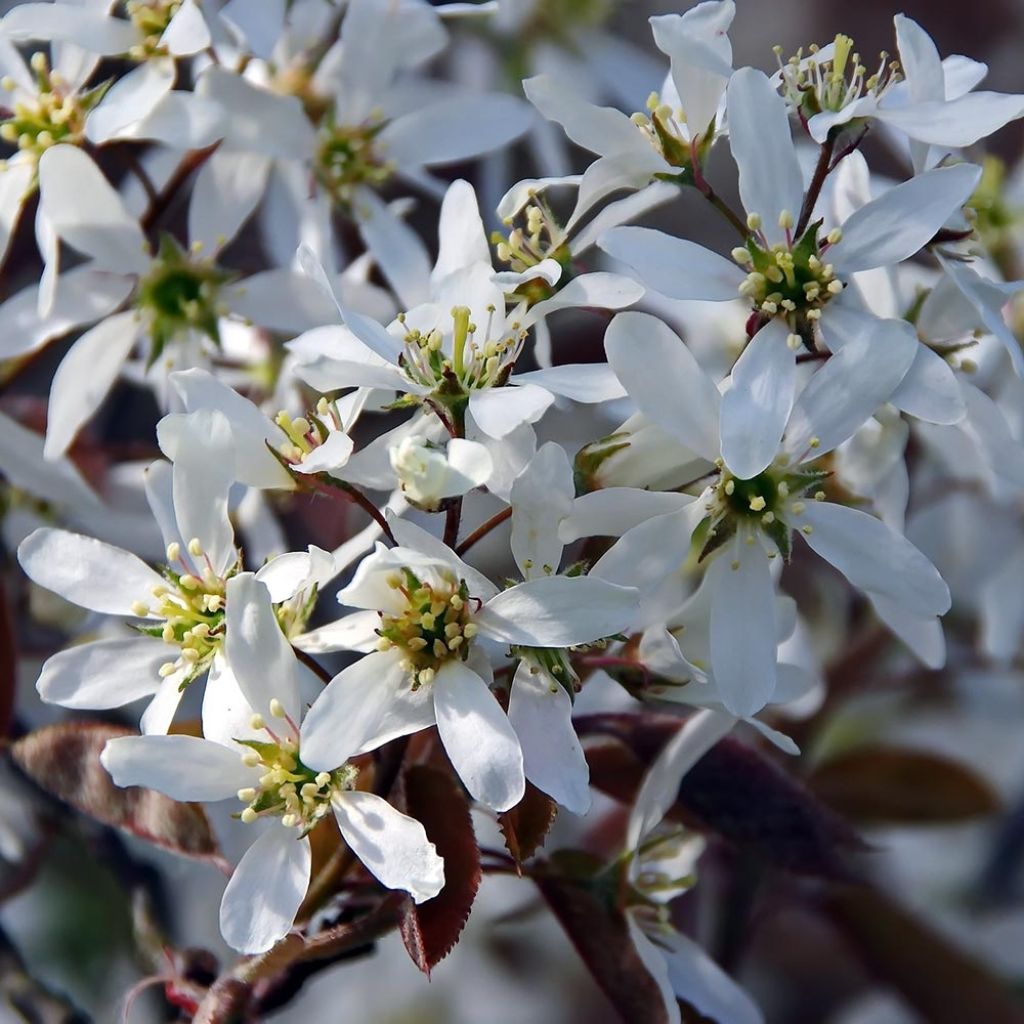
[
  {"x": 875, "y": 558},
  {"x": 921, "y": 633},
  {"x": 674, "y": 266},
  {"x": 392, "y": 846},
  {"x": 660, "y": 787},
  {"x": 1002, "y": 610},
  {"x": 582, "y": 382},
  {"x": 498, "y": 411},
  {"x": 187, "y": 32},
  {"x": 226, "y": 191},
  {"x": 654, "y": 960},
  {"x": 956, "y": 123},
  {"x": 462, "y": 240},
  {"x": 540, "y": 497},
  {"x": 85, "y": 375},
  {"x": 903, "y": 220},
  {"x": 265, "y": 891},
  {"x": 478, "y": 737},
  {"x": 612, "y": 511},
  {"x": 744, "y": 633},
  {"x": 541, "y": 714},
  {"x": 755, "y": 410},
  {"x": 558, "y": 611},
  {"x": 930, "y": 390},
  {"x": 91, "y": 29},
  {"x": 679, "y": 397},
  {"x": 87, "y": 213},
  {"x": 181, "y": 767},
  {"x": 87, "y": 572},
  {"x": 594, "y": 291},
  {"x": 396, "y": 247},
  {"x": 771, "y": 181},
  {"x": 365, "y": 705},
  {"x": 130, "y": 100},
  {"x": 15, "y": 184},
  {"x": 103, "y": 674}
]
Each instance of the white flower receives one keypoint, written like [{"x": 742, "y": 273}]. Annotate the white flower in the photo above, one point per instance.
[
  {"x": 798, "y": 287},
  {"x": 429, "y": 615},
  {"x": 661, "y": 866},
  {"x": 766, "y": 441},
  {"x": 252, "y": 750},
  {"x": 430, "y": 473}
]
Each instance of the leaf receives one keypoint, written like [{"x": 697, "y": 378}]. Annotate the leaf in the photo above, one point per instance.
[
  {"x": 8, "y": 663},
  {"x": 944, "y": 984},
  {"x": 525, "y": 826},
  {"x": 733, "y": 791},
  {"x": 64, "y": 760},
  {"x": 600, "y": 934},
  {"x": 430, "y": 930},
  {"x": 903, "y": 786}
]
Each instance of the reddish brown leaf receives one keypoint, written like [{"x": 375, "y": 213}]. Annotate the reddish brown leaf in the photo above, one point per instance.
[
  {"x": 733, "y": 791},
  {"x": 944, "y": 984},
  {"x": 899, "y": 785},
  {"x": 600, "y": 934},
  {"x": 8, "y": 663},
  {"x": 431, "y": 930},
  {"x": 525, "y": 826},
  {"x": 64, "y": 760}
]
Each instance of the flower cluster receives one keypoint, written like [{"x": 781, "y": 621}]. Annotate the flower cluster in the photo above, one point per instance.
[{"x": 521, "y": 545}]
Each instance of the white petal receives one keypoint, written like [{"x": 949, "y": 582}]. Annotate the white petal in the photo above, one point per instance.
[
  {"x": 921, "y": 64},
  {"x": 355, "y": 632},
  {"x": 680, "y": 397},
  {"x": 698, "y": 980},
  {"x": 87, "y": 572},
  {"x": 181, "y": 767},
  {"x": 226, "y": 191},
  {"x": 595, "y": 291},
  {"x": 454, "y": 129},
  {"x": 654, "y": 960},
  {"x": 410, "y": 535},
  {"x": 265, "y": 891},
  {"x": 478, "y": 737},
  {"x": 160, "y": 711},
  {"x": 611, "y": 511},
  {"x": 541, "y": 714},
  {"x": 498, "y": 411},
  {"x": 364, "y": 706},
  {"x": 873, "y": 357},
  {"x": 85, "y": 375},
  {"x": 958, "y": 122},
  {"x": 540, "y": 497},
  {"x": 582, "y": 382},
  {"x": 674, "y": 266},
  {"x": 903, "y": 220},
  {"x": 558, "y": 611},
  {"x": 15, "y": 186},
  {"x": 874, "y": 558},
  {"x": 130, "y": 100},
  {"x": 770, "y": 178},
  {"x": 396, "y": 247},
  {"x": 660, "y": 787},
  {"x": 921, "y": 633},
  {"x": 87, "y": 213},
  {"x": 203, "y": 474},
  {"x": 103, "y": 674},
  {"x": 227, "y": 715},
  {"x": 392, "y": 846},
  {"x": 462, "y": 240},
  {"x": 600, "y": 129},
  {"x": 186, "y": 33},
  {"x": 90, "y": 29},
  {"x": 1002, "y": 610},
  {"x": 332, "y": 454},
  {"x": 258, "y": 653},
  {"x": 744, "y": 633},
  {"x": 756, "y": 408},
  {"x": 930, "y": 390},
  {"x": 470, "y": 465}
]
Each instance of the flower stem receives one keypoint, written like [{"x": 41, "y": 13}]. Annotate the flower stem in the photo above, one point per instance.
[
  {"x": 483, "y": 529},
  {"x": 821, "y": 172}
]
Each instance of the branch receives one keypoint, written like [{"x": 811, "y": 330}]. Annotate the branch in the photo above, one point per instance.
[{"x": 483, "y": 529}]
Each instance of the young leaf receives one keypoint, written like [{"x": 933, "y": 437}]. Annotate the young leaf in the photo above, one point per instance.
[
  {"x": 430, "y": 930},
  {"x": 902, "y": 786},
  {"x": 525, "y": 826},
  {"x": 64, "y": 760}
]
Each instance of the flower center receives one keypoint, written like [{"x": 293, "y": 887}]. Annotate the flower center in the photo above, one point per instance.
[
  {"x": 816, "y": 85},
  {"x": 434, "y": 627},
  {"x": 179, "y": 295},
  {"x": 769, "y": 503},
  {"x": 347, "y": 157},
  {"x": 788, "y": 279},
  {"x": 150, "y": 18},
  {"x": 287, "y": 789},
  {"x": 53, "y": 115},
  {"x": 523, "y": 248},
  {"x": 307, "y": 433},
  {"x": 458, "y": 362},
  {"x": 192, "y": 606},
  {"x": 667, "y": 132}
]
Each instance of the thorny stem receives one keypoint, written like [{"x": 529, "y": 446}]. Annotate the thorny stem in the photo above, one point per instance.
[
  {"x": 821, "y": 172},
  {"x": 483, "y": 529}
]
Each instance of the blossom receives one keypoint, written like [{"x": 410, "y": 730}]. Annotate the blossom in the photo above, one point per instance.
[
  {"x": 799, "y": 285},
  {"x": 430, "y": 473},
  {"x": 252, "y": 750},
  {"x": 766, "y": 443},
  {"x": 429, "y": 616}
]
